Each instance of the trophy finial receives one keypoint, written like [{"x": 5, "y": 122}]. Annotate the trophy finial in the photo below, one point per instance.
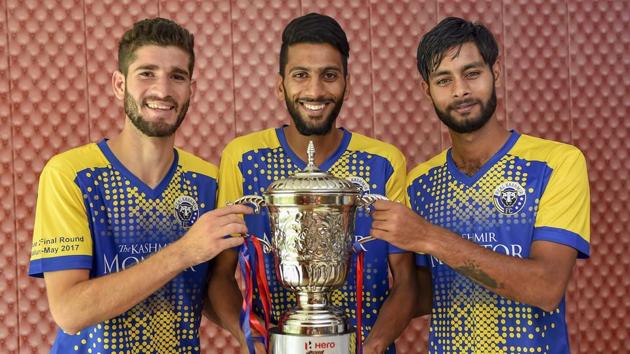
[{"x": 310, "y": 151}]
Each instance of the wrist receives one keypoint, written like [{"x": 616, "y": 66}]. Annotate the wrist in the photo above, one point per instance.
[{"x": 176, "y": 255}]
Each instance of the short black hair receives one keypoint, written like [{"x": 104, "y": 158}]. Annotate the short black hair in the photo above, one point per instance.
[
  {"x": 154, "y": 31},
  {"x": 454, "y": 32},
  {"x": 314, "y": 28}
]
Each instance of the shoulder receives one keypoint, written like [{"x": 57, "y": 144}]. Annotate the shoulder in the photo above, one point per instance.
[
  {"x": 196, "y": 164},
  {"x": 262, "y": 139},
  {"x": 424, "y": 167},
  {"x": 77, "y": 159},
  {"x": 553, "y": 153},
  {"x": 360, "y": 142}
]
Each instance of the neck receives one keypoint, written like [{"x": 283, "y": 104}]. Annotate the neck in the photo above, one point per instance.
[
  {"x": 147, "y": 158},
  {"x": 472, "y": 150},
  {"x": 325, "y": 145}
]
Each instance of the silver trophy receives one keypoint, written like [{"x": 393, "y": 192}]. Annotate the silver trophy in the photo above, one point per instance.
[{"x": 312, "y": 216}]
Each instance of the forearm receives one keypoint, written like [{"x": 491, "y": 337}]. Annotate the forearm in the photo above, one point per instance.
[
  {"x": 224, "y": 295},
  {"x": 225, "y": 299},
  {"x": 535, "y": 281},
  {"x": 425, "y": 292},
  {"x": 394, "y": 316},
  {"x": 75, "y": 308}
]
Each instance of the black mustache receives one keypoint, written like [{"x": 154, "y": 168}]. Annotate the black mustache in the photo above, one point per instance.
[{"x": 455, "y": 104}]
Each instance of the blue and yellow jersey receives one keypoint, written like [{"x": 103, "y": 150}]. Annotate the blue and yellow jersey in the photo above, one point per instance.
[
  {"x": 250, "y": 163},
  {"x": 531, "y": 190},
  {"x": 92, "y": 213}
]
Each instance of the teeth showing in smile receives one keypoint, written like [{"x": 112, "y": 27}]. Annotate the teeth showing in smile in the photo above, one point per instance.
[
  {"x": 313, "y": 106},
  {"x": 157, "y": 105}
]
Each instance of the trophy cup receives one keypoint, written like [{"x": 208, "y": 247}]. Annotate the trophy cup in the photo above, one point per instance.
[{"x": 312, "y": 215}]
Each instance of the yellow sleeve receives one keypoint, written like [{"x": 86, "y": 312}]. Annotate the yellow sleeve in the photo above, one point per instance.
[
  {"x": 564, "y": 210},
  {"x": 230, "y": 178},
  {"x": 61, "y": 235},
  {"x": 395, "y": 187}
]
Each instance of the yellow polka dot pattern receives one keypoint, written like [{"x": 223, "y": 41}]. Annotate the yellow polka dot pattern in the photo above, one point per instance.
[
  {"x": 466, "y": 317},
  {"x": 136, "y": 221}
]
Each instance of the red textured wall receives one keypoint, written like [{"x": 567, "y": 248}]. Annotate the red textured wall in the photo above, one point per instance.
[{"x": 565, "y": 77}]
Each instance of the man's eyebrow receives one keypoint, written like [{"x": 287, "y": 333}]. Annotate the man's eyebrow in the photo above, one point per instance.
[{"x": 443, "y": 72}]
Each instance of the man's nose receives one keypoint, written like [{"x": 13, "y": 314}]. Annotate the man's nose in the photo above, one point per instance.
[
  {"x": 461, "y": 88},
  {"x": 161, "y": 87},
  {"x": 315, "y": 88}
]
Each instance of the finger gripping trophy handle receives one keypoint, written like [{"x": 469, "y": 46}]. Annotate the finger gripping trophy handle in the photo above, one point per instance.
[
  {"x": 254, "y": 200},
  {"x": 367, "y": 200}
]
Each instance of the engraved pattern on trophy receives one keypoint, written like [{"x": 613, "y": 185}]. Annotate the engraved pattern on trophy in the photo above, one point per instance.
[{"x": 312, "y": 218}]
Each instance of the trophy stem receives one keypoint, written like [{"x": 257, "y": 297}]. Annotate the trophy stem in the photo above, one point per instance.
[
  {"x": 313, "y": 315},
  {"x": 313, "y": 300}
]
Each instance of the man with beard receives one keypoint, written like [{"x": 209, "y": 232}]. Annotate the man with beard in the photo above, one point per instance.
[
  {"x": 313, "y": 81},
  {"x": 124, "y": 228},
  {"x": 499, "y": 218}
]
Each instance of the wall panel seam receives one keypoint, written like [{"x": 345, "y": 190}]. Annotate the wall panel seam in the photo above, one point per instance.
[
  {"x": 570, "y": 72},
  {"x": 15, "y": 222},
  {"x": 372, "y": 106},
  {"x": 504, "y": 72},
  {"x": 234, "y": 98},
  {"x": 86, "y": 72}
]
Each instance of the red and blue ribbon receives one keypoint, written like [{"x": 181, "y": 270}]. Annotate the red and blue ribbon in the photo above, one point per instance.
[
  {"x": 252, "y": 265},
  {"x": 360, "y": 260}
]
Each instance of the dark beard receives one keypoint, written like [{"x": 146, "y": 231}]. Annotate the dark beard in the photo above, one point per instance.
[
  {"x": 469, "y": 125},
  {"x": 152, "y": 129},
  {"x": 302, "y": 125}
]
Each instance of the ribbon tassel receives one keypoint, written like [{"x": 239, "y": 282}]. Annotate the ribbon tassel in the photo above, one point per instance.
[{"x": 252, "y": 265}]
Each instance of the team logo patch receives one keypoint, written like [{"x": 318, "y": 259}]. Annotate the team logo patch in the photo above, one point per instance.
[
  {"x": 361, "y": 183},
  {"x": 186, "y": 210},
  {"x": 509, "y": 198}
]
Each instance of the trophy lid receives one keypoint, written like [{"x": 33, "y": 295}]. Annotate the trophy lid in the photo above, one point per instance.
[{"x": 312, "y": 180}]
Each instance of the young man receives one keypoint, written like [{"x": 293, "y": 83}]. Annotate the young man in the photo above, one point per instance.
[
  {"x": 313, "y": 81},
  {"x": 499, "y": 218},
  {"x": 124, "y": 227}
]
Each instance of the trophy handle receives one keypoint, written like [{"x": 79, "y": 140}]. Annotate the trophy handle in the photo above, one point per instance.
[
  {"x": 367, "y": 200},
  {"x": 255, "y": 200}
]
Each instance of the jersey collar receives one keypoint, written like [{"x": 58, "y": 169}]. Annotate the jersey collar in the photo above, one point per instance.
[
  {"x": 470, "y": 180},
  {"x": 345, "y": 141}
]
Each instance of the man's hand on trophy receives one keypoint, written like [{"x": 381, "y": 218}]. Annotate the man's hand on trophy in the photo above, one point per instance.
[
  {"x": 399, "y": 225},
  {"x": 207, "y": 237}
]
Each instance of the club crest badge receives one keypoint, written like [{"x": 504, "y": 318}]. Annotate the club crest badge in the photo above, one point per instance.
[
  {"x": 186, "y": 210},
  {"x": 361, "y": 183},
  {"x": 509, "y": 198}
]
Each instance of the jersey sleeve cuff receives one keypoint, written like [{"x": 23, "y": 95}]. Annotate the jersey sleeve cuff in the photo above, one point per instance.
[
  {"x": 38, "y": 267},
  {"x": 563, "y": 237},
  {"x": 422, "y": 260}
]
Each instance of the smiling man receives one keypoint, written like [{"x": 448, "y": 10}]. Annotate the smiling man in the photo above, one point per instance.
[
  {"x": 498, "y": 219},
  {"x": 313, "y": 81},
  {"x": 124, "y": 227}
]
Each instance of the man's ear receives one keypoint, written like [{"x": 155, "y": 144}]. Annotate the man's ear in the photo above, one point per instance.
[
  {"x": 193, "y": 89},
  {"x": 346, "y": 93},
  {"x": 496, "y": 71},
  {"x": 118, "y": 84},
  {"x": 426, "y": 89},
  {"x": 279, "y": 87}
]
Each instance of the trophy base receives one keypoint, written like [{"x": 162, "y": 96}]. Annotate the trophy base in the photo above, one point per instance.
[{"x": 282, "y": 343}]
